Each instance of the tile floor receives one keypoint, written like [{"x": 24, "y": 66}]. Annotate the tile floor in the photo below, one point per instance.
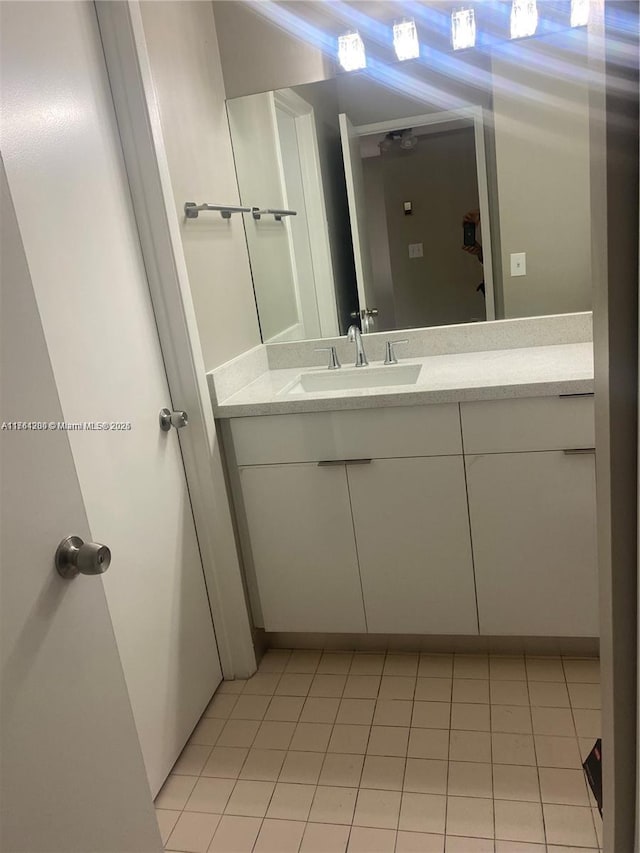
[{"x": 399, "y": 753}]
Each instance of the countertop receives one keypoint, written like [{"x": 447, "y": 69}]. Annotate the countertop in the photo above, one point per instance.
[{"x": 459, "y": 377}]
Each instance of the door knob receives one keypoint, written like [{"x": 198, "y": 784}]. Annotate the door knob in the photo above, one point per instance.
[
  {"x": 170, "y": 419},
  {"x": 75, "y": 557}
]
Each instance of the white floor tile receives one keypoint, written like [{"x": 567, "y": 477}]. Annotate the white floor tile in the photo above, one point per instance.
[
  {"x": 250, "y": 707},
  {"x": 548, "y": 694},
  {"x": 274, "y": 660},
  {"x": 401, "y": 664},
  {"x": 349, "y": 739},
  {"x": 544, "y": 669},
  {"x": 470, "y": 746},
  {"x": 325, "y": 838},
  {"x": 285, "y": 709},
  {"x": 311, "y": 737},
  {"x": 383, "y": 773},
  {"x": 250, "y": 799},
  {"x": 470, "y": 717},
  {"x": 366, "y": 663},
  {"x": 333, "y": 805},
  {"x": 377, "y": 809},
  {"x": 470, "y": 666},
  {"x": 328, "y": 686},
  {"x": 584, "y": 695},
  {"x": 433, "y": 689},
  {"x": 509, "y": 693},
  {"x": 470, "y": 690},
  {"x": 238, "y": 733},
  {"x": 570, "y": 825},
  {"x": 511, "y": 719},
  {"x": 235, "y": 834},
  {"x": 262, "y": 683},
  {"x": 191, "y": 761},
  {"x": 470, "y": 817},
  {"x": 303, "y": 767},
  {"x": 425, "y": 776},
  {"x": 517, "y": 821},
  {"x": 167, "y": 819},
  {"x": 587, "y": 722},
  {"x": 193, "y": 832},
  {"x": 584, "y": 671},
  {"x": 428, "y": 743},
  {"x": 419, "y": 842},
  {"x": 294, "y": 684},
  {"x": 225, "y": 761},
  {"x": 279, "y": 836},
  {"x": 263, "y": 765},
  {"x": 303, "y": 660},
  {"x": 335, "y": 663},
  {"x": 431, "y": 715},
  {"x": 393, "y": 712},
  {"x": 221, "y": 706},
  {"x": 362, "y": 687},
  {"x": 397, "y": 687},
  {"x": 553, "y": 721},
  {"x": 563, "y": 787},
  {"x": 358, "y": 712},
  {"x": 291, "y": 801},
  {"x": 175, "y": 792},
  {"x": 469, "y": 779},
  {"x": 422, "y": 813},
  {"x": 513, "y": 749},
  {"x": 388, "y": 740},
  {"x": 554, "y": 751},
  {"x": 341, "y": 770},
  {"x": 274, "y": 735},
  {"x": 455, "y": 844},
  {"x": 435, "y": 666},
  {"x": 507, "y": 668},
  {"x": 512, "y": 782},
  {"x": 210, "y": 795},
  {"x": 366, "y": 840}
]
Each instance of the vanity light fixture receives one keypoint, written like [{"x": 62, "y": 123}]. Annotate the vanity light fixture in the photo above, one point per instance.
[
  {"x": 351, "y": 52},
  {"x": 579, "y": 13},
  {"x": 405, "y": 40},
  {"x": 524, "y": 18},
  {"x": 463, "y": 29}
]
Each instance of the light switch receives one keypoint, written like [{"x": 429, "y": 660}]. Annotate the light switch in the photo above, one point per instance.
[
  {"x": 518, "y": 263},
  {"x": 415, "y": 250}
]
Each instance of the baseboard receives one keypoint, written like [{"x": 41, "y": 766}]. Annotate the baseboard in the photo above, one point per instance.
[{"x": 575, "y": 646}]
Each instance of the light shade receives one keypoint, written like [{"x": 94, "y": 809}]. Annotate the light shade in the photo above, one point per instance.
[
  {"x": 579, "y": 13},
  {"x": 351, "y": 53},
  {"x": 463, "y": 28},
  {"x": 405, "y": 40},
  {"x": 524, "y": 18}
]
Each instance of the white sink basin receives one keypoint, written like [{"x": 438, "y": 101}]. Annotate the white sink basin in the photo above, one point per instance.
[{"x": 362, "y": 377}]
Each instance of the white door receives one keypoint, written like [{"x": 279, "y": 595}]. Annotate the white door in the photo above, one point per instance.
[
  {"x": 412, "y": 531},
  {"x": 302, "y": 547},
  {"x": 357, "y": 213},
  {"x": 72, "y": 778},
  {"x": 533, "y": 524},
  {"x": 67, "y": 179}
]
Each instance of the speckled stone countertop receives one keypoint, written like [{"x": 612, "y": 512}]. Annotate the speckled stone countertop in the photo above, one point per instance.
[{"x": 456, "y": 377}]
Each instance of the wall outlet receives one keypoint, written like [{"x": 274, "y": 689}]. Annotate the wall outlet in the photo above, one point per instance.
[
  {"x": 415, "y": 250},
  {"x": 518, "y": 263}
]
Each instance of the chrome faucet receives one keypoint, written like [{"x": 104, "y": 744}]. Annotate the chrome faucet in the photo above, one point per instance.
[{"x": 355, "y": 336}]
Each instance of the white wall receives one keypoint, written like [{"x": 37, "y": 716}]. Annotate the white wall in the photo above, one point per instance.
[
  {"x": 183, "y": 49},
  {"x": 542, "y": 153}
]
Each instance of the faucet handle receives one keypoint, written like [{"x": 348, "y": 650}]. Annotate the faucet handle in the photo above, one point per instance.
[
  {"x": 334, "y": 361},
  {"x": 390, "y": 356}
]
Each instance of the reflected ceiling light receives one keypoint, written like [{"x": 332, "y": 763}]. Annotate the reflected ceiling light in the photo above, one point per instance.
[
  {"x": 405, "y": 40},
  {"x": 408, "y": 140},
  {"x": 579, "y": 13},
  {"x": 463, "y": 29},
  {"x": 524, "y": 18},
  {"x": 351, "y": 53}
]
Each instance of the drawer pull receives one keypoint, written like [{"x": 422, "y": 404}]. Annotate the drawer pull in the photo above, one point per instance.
[
  {"x": 328, "y": 462},
  {"x": 580, "y": 451},
  {"x": 577, "y": 394}
]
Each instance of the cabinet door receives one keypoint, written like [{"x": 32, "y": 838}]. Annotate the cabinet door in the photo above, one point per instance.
[
  {"x": 534, "y": 543},
  {"x": 412, "y": 531},
  {"x": 303, "y": 547}
]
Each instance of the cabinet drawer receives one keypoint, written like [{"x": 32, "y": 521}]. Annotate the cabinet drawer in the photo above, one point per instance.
[
  {"x": 532, "y": 423},
  {"x": 363, "y": 433}
]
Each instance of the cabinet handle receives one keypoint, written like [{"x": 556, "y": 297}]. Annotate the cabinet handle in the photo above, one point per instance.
[
  {"x": 326, "y": 463},
  {"x": 577, "y": 394},
  {"x": 580, "y": 451}
]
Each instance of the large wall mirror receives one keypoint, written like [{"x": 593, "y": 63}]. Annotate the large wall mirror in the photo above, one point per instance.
[{"x": 406, "y": 195}]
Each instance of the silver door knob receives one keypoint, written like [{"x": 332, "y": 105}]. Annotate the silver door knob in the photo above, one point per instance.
[
  {"x": 170, "y": 419},
  {"x": 76, "y": 557}
]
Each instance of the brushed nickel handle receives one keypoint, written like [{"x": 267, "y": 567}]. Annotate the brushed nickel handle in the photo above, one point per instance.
[
  {"x": 334, "y": 361},
  {"x": 580, "y": 451},
  {"x": 326, "y": 463},
  {"x": 75, "y": 557},
  {"x": 168, "y": 419}
]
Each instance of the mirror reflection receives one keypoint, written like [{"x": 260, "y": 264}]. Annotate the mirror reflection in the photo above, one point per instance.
[{"x": 461, "y": 197}]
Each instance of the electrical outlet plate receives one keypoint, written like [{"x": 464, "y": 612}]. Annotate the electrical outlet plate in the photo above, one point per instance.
[
  {"x": 518, "y": 264},
  {"x": 416, "y": 250}
]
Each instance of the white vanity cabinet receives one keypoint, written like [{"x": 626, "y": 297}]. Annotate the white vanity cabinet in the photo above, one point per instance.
[
  {"x": 357, "y": 520},
  {"x": 412, "y": 531},
  {"x": 303, "y": 548},
  {"x": 376, "y": 520},
  {"x": 531, "y": 486}
]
